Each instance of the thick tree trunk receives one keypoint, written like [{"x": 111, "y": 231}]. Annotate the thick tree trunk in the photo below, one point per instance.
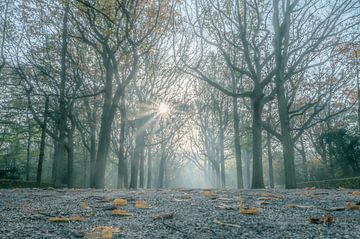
[
  {"x": 222, "y": 157},
  {"x": 237, "y": 145},
  {"x": 149, "y": 169},
  {"x": 257, "y": 173},
  {"x": 42, "y": 143}
]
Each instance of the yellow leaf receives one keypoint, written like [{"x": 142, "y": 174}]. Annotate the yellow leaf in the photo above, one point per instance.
[
  {"x": 66, "y": 219},
  {"x": 210, "y": 194},
  {"x": 120, "y": 202},
  {"x": 356, "y": 193},
  {"x": 119, "y": 212},
  {"x": 102, "y": 232},
  {"x": 85, "y": 205},
  {"x": 290, "y": 205},
  {"x": 250, "y": 211},
  {"x": 141, "y": 204},
  {"x": 106, "y": 234}
]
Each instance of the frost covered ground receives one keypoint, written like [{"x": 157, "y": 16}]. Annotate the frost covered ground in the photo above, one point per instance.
[{"x": 179, "y": 213}]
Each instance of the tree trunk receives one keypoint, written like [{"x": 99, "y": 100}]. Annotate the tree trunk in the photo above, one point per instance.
[
  {"x": 138, "y": 154},
  {"x": 270, "y": 159},
  {"x": 28, "y": 153},
  {"x": 286, "y": 139},
  {"x": 142, "y": 167},
  {"x": 162, "y": 166},
  {"x": 42, "y": 142},
  {"x": 92, "y": 117},
  {"x": 237, "y": 144},
  {"x": 257, "y": 173},
  {"x": 70, "y": 155},
  {"x": 304, "y": 161},
  {"x": 60, "y": 156},
  {"x": 149, "y": 165},
  {"x": 122, "y": 167},
  {"x": 222, "y": 157}
]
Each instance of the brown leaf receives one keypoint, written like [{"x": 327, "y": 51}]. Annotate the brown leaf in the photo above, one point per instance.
[
  {"x": 66, "y": 219},
  {"x": 356, "y": 193},
  {"x": 85, "y": 205},
  {"x": 250, "y": 211},
  {"x": 352, "y": 206},
  {"x": 102, "y": 232},
  {"x": 209, "y": 194},
  {"x": 328, "y": 219},
  {"x": 119, "y": 212},
  {"x": 120, "y": 202},
  {"x": 141, "y": 204}
]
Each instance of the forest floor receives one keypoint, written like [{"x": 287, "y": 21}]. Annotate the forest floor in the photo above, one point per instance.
[{"x": 179, "y": 213}]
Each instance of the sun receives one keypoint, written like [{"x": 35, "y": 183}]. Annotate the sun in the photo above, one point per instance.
[{"x": 163, "y": 108}]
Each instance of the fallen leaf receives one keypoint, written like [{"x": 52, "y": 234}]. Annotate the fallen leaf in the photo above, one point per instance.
[
  {"x": 66, "y": 219},
  {"x": 141, "y": 204},
  {"x": 85, "y": 205},
  {"x": 164, "y": 215},
  {"x": 264, "y": 198},
  {"x": 352, "y": 206},
  {"x": 119, "y": 212},
  {"x": 356, "y": 193},
  {"x": 226, "y": 224},
  {"x": 250, "y": 211},
  {"x": 102, "y": 232},
  {"x": 185, "y": 196},
  {"x": 209, "y": 194},
  {"x": 120, "y": 202},
  {"x": 328, "y": 219}
]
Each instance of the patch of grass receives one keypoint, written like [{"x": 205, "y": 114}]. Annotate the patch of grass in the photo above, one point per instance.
[
  {"x": 333, "y": 183},
  {"x": 9, "y": 183}
]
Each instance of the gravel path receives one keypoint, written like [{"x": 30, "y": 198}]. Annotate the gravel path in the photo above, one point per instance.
[{"x": 180, "y": 213}]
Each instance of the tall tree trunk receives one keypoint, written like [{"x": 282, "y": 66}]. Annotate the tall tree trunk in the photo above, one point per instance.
[
  {"x": 92, "y": 117},
  {"x": 70, "y": 155},
  {"x": 85, "y": 154},
  {"x": 149, "y": 169},
  {"x": 162, "y": 166},
  {"x": 257, "y": 173},
  {"x": 28, "y": 153},
  {"x": 270, "y": 159},
  {"x": 222, "y": 157},
  {"x": 281, "y": 45},
  {"x": 42, "y": 142},
  {"x": 122, "y": 167},
  {"x": 304, "y": 161},
  {"x": 60, "y": 156},
  {"x": 236, "y": 119},
  {"x": 138, "y": 154},
  {"x": 142, "y": 167},
  {"x": 286, "y": 139}
]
